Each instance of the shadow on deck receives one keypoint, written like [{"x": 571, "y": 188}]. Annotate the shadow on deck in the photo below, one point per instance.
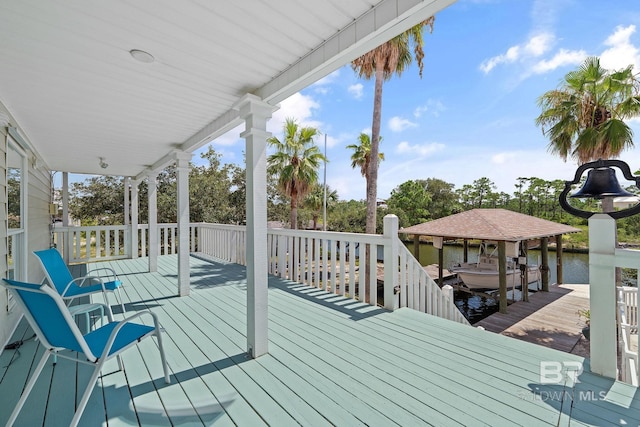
[
  {"x": 549, "y": 318},
  {"x": 331, "y": 361}
]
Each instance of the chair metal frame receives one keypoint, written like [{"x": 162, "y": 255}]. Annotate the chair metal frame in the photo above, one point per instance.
[
  {"x": 72, "y": 288},
  {"x": 132, "y": 333}
]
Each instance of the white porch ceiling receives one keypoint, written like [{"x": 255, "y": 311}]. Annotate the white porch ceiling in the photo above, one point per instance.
[{"x": 76, "y": 94}]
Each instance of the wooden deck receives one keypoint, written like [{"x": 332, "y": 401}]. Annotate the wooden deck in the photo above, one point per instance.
[
  {"x": 332, "y": 361},
  {"x": 549, "y": 318}
]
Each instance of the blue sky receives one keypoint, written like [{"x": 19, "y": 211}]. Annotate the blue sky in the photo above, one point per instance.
[{"x": 472, "y": 114}]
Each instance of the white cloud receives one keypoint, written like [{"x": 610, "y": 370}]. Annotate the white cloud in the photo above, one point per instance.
[
  {"x": 356, "y": 90},
  {"x": 433, "y": 106},
  {"x": 398, "y": 124},
  {"x": 503, "y": 158},
  {"x": 419, "y": 150},
  {"x": 343, "y": 138},
  {"x": 349, "y": 184},
  {"x": 297, "y": 106},
  {"x": 510, "y": 56},
  {"x": 560, "y": 59},
  {"x": 230, "y": 138},
  {"x": 539, "y": 44},
  {"x": 328, "y": 79},
  {"x": 536, "y": 46},
  {"x": 621, "y": 52},
  {"x": 323, "y": 86}
]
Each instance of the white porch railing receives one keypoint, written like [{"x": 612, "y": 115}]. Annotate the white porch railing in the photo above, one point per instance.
[
  {"x": 110, "y": 242},
  {"x": 628, "y": 333},
  {"x": 418, "y": 290},
  {"x": 91, "y": 243},
  {"x": 332, "y": 261},
  {"x": 167, "y": 239},
  {"x": 337, "y": 262}
]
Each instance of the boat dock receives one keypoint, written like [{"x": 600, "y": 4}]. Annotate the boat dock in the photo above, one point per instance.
[
  {"x": 449, "y": 278},
  {"x": 549, "y": 318}
]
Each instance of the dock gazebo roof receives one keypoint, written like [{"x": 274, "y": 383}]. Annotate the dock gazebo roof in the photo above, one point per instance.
[
  {"x": 499, "y": 225},
  {"x": 490, "y": 224}
]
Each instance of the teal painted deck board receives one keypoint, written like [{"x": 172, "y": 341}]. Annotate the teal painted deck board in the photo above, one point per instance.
[
  {"x": 225, "y": 304},
  {"x": 332, "y": 361},
  {"x": 22, "y": 362},
  {"x": 397, "y": 370},
  {"x": 531, "y": 353},
  {"x": 373, "y": 367},
  {"x": 204, "y": 403},
  {"x": 62, "y": 375},
  {"x": 200, "y": 358},
  {"x": 413, "y": 382}
]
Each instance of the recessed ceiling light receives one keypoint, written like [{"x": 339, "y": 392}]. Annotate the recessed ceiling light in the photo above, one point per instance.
[{"x": 142, "y": 56}]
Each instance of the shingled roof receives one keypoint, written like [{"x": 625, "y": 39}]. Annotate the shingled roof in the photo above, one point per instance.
[{"x": 490, "y": 224}]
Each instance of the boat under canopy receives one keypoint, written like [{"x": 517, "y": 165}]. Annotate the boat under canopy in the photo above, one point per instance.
[{"x": 484, "y": 273}]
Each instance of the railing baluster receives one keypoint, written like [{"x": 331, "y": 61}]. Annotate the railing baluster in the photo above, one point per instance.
[
  {"x": 343, "y": 256},
  {"x": 332, "y": 278},
  {"x": 315, "y": 258},
  {"x": 316, "y": 267},
  {"x": 373, "y": 278},
  {"x": 352, "y": 269}
]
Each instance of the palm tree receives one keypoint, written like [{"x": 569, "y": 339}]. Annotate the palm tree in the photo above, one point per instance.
[
  {"x": 315, "y": 201},
  {"x": 295, "y": 163},
  {"x": 392, "y": 57},
  {"x": 584, "y": 118},
  {"x": 361, "y": 156}
]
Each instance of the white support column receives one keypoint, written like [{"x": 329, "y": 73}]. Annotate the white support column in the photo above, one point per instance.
[
  {"x": 65, "y": 199},
  {"x": 255, "y": 113},
  {"x": 67, "y": 241},
  {"x": 127, "y": 212},
  {"x": 153, "y": 222},
  {"x": 135, "y": 203},
  {"x": 602, "y": 289},
  {"x": 182, "y": 170},
  {"x": 391, "y": 266}
]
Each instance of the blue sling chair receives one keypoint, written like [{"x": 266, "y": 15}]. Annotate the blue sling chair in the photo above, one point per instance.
[
  {"x": 48, "y": 315},
  {"x": 59, "y": 276}
]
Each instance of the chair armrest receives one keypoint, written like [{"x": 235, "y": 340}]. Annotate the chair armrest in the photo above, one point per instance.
[
  {"x": 82, "y": 280},
  {"x": 110, "y": 272},
  {"x": 105, "y": 309},
  {"x": 121, "y": 324}
]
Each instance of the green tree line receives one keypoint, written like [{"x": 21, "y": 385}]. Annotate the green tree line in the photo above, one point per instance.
[{"x": 217, "y": 195}]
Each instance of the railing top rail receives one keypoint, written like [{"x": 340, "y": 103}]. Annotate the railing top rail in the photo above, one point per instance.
[
  {"x": 59, "y": 228},
  {"x": 625, "y": 258},
  {"x": 219, "y": 226},
  {"x": 330, "y": 235}
]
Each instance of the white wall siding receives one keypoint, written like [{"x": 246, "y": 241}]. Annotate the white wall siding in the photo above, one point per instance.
[
  {"x": 8, "y": 320},
  {"x": 38, "y": 217}
]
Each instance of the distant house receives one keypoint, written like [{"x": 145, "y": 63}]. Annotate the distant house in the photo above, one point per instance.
[{"x": 625, "y": 202}]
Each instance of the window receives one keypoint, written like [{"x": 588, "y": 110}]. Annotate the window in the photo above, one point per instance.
[{"x": 16, "y": 207}]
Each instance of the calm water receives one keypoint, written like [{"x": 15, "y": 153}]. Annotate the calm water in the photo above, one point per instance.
[{"x": 575, "y": 270}]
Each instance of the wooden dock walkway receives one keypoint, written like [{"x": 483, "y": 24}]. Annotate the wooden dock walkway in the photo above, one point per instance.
[{"x": 549, "y": 318}]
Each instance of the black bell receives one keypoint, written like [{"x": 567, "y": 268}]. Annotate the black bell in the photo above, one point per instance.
[{"x": 601, "y": 182}]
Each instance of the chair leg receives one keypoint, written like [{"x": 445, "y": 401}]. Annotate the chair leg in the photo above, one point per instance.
[
  {"x": 86, "y": 395},
  {"x": 120, "y": 364},
  {"x": 163, "y": 357},
  {"x": 121, "y": 301},
  {"x": 106, "y": 302},
  {"x": 27, "y": 390}
]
